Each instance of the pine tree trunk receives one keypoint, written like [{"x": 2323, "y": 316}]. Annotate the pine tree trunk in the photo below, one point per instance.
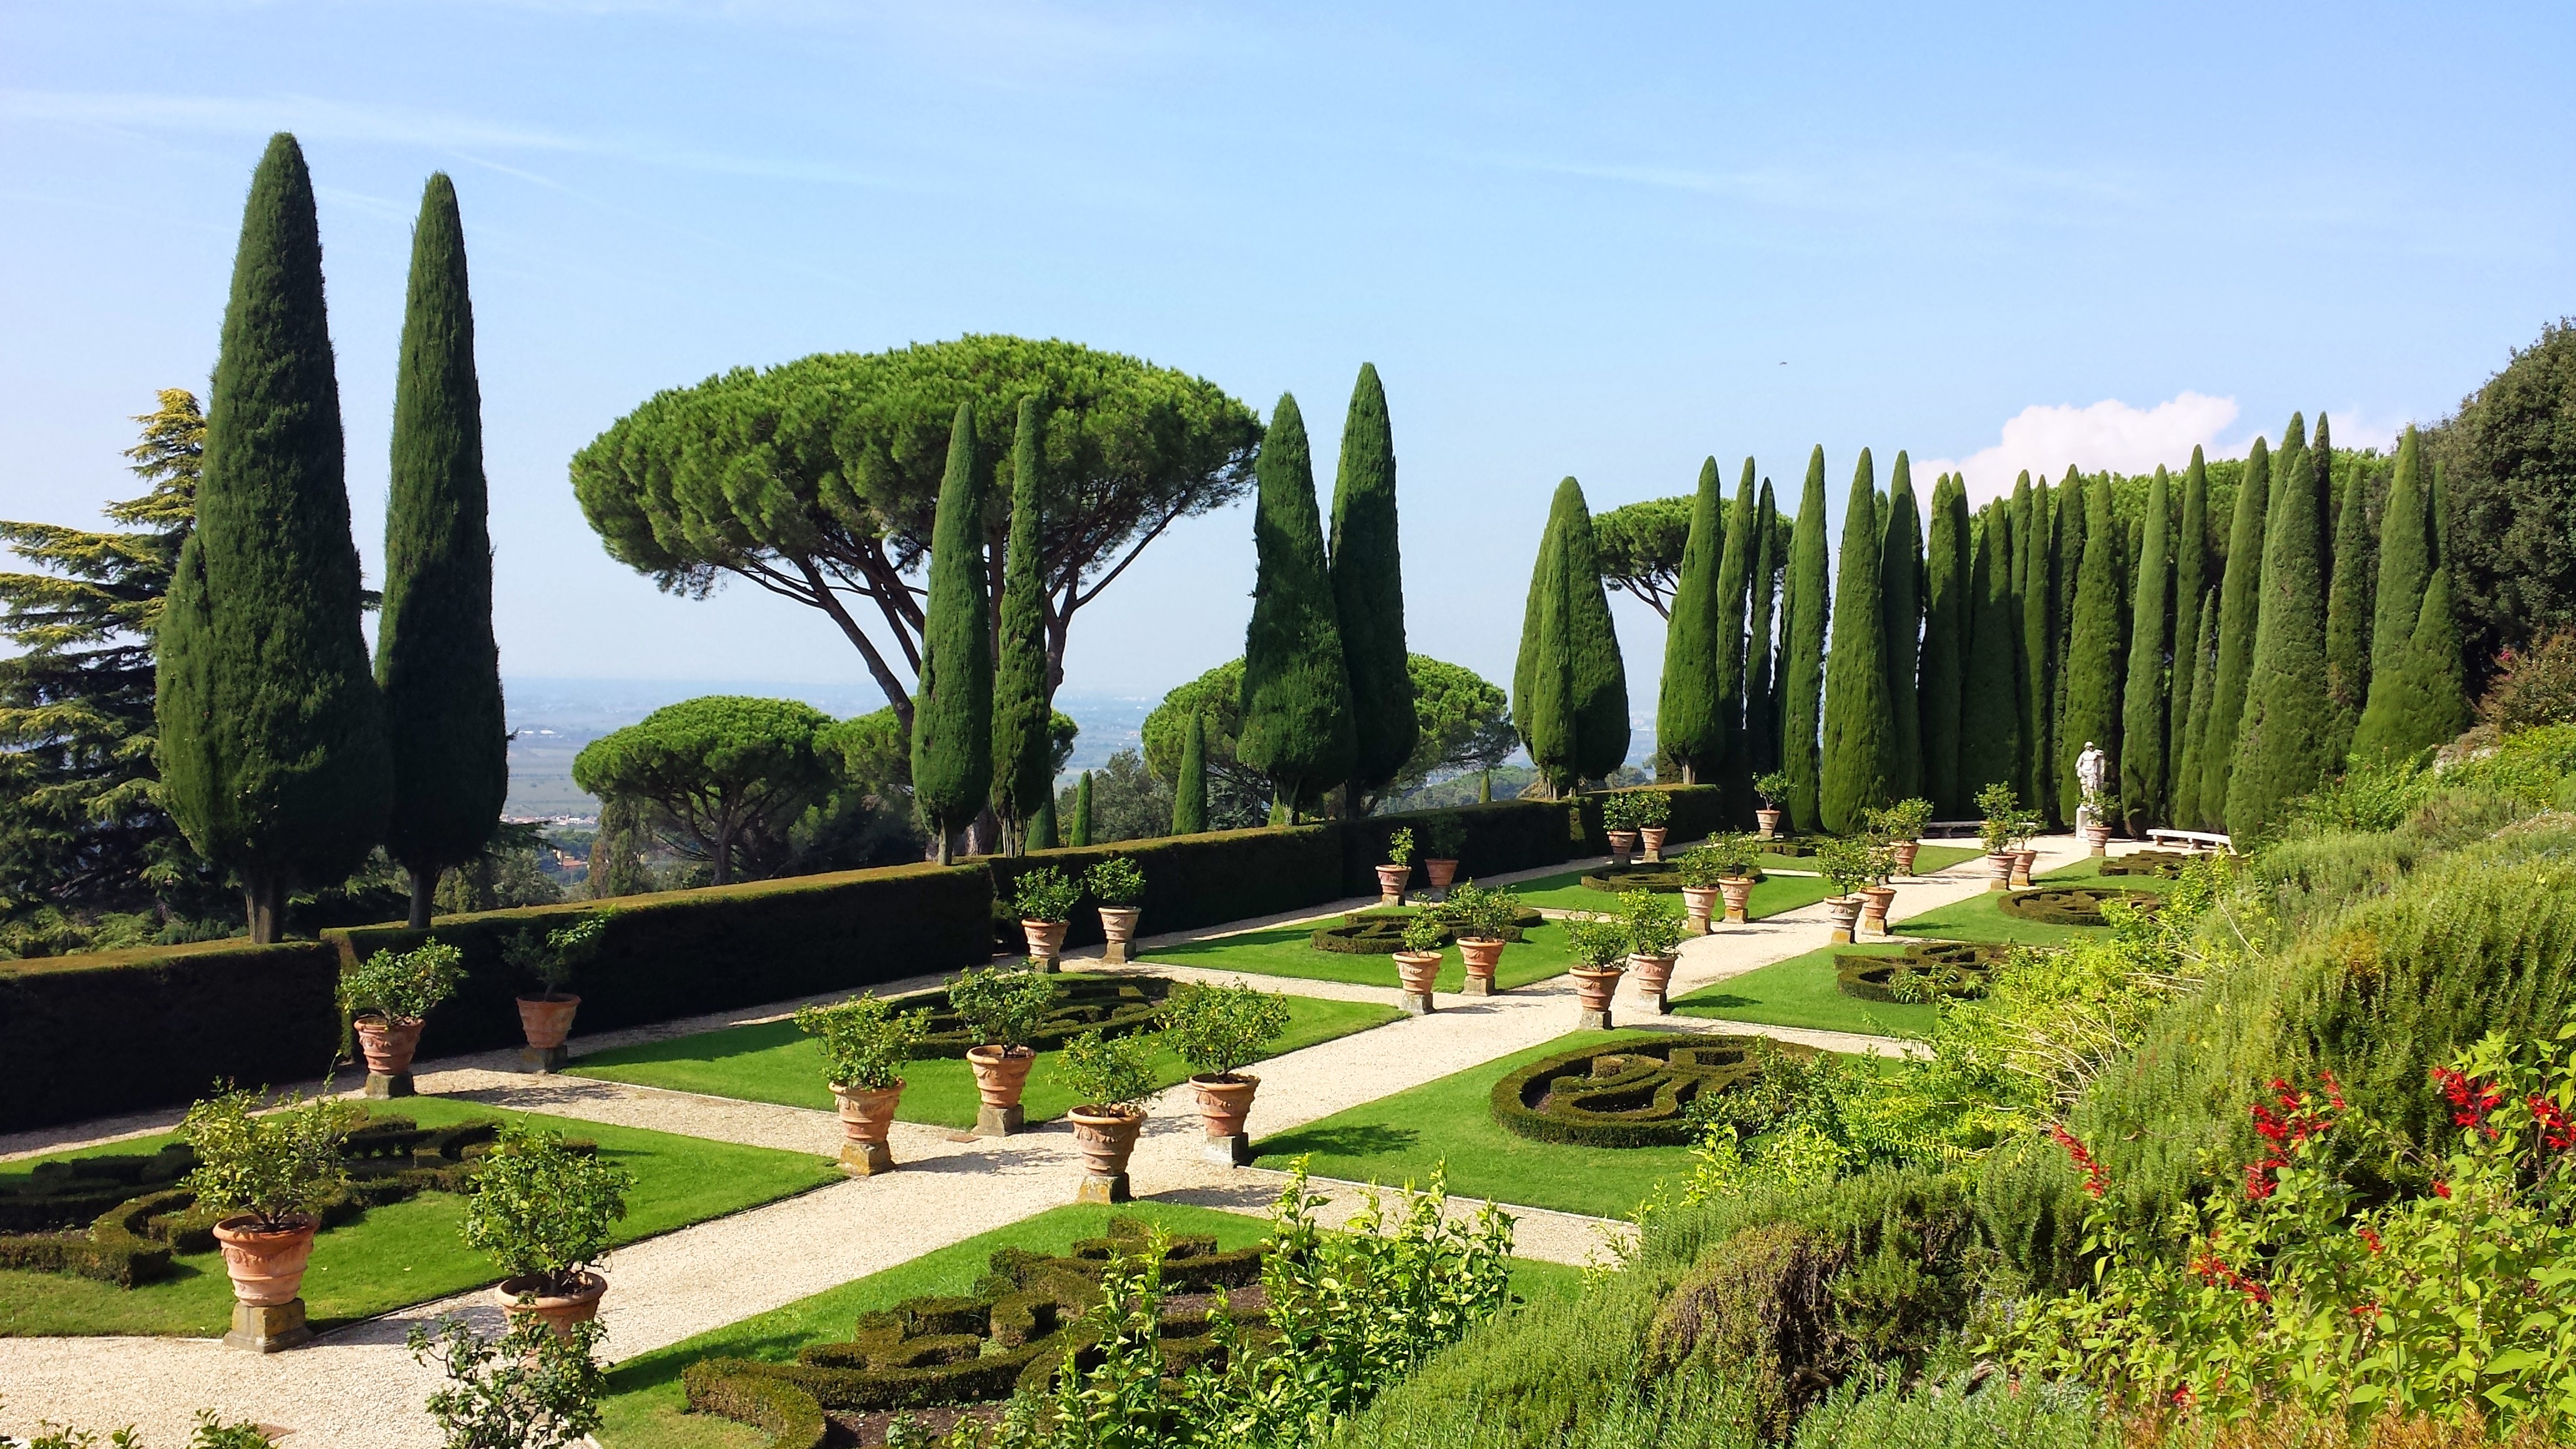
[
  {"x": 424, "y": 891},
  {"x": 264, "y": 896}
]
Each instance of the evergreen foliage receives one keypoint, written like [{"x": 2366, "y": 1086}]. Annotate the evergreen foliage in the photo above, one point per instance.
[
  {"x": 952, "y": 723},
  {"x": 2427, "y": 702},
  {"x": 1949, "y": 610},
  {"x": 1690, "y": 713},
  {"x": 1600, "y": 675},
  {"x": 2093, "y": 652},
  {"x": 1081, "y": 812},
  {"x": 2190, "y": 583},
  {"x": 2187, "y": 806},
  {"x": 2143, "y": 774},
  {"x": 1990, "y": 714},
  {"x": 1368, "y": 590},
  {"x": 1735, "y": 700},
  {"x": 1042, "y": 833},
  {"x": 272, "y": 741},
  {"x": 1570, "y": 691},
  {"x": 1805, "y": 612},
  {"x": 436, "y": 661},
  {"x": 2034, "y": 539},
  {"x": 1023, "y": 741},
  {"x": 2239, "y": 597},
  {"x": 2406, "y": 563},
  {"x": 722, "y": 777},
  {"x": 2066, "y": 565},
  {"x": 1762, "y": 671},
  {"x": 2349, "y": 610},
  {"x": 2502, "y": 474},
  {"x": 2282, "y": 742},
  {"x": 1189, "y": 792},
  {"x": 1900, "y": 605},
  {"x": 1297, "y": 715},
  {"x": 1859, "y": 740}
]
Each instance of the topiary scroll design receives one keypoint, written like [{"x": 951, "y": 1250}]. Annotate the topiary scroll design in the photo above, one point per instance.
[{"x": 1635, "y": 1093}]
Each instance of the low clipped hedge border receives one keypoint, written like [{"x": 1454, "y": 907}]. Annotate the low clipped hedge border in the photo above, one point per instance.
[
  {"x": 2166, "y": 863},
  {"x": 1379, "y": 932},
  {"x": 1112, "y": 1006},
  {"x": 1951, "y": 971},
  {"x": 1625, "y": 1094},
  {"x": 2072, "y": 905}
]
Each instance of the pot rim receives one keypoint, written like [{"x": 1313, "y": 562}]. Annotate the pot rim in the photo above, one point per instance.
[
  {"x": 1093, "y": 1114},
  {"x": 553, "y": 998},
  {"x": 1665, "y": 957},
  {"x": 306, "y": 1224},
  {"x": 839, "y": 1090},
  {"x": 1596, "y": 970},
  {"x": 1225, "y": 1079},
  {"x": 592, "y": 1285},
  {"x": 998, "y": 1052},
  {"x": 381, "y": 1022},
  {"x": 1034, "y": 921}
]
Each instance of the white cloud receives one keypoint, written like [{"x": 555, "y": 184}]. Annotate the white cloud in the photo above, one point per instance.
[{"x": 2108, "y": 434}]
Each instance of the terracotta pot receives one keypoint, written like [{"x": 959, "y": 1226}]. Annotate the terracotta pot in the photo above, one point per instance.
[
  {"x": 1482, "y": 954},
  {"x": 388, "y": 1045},
  {"x": 1117, "y": 923},
  {"x": 1001, "y": 1073},
  {"x": 1906, "y": 850},
  {"x": 547, "y": 1019},
  {"x": 1739, "y": 898},
  {"x": 1225, "y": 1100},
  {"x": 1874, "y": 903},
  {"x": 2002, "y": 863},
  {"x": 1845, "y": 911},
  {"x": 867, "y": 1114},
  {"x": 2098, "y": 837},
  {"x": 1440, "y": 873},
  {"x": 2022, "y": 867},
  {"x": 1596, "y": 987},
  {"x": 1418, "y": 970},
  {"x": 1698, "y": 904},
  {"x": 266, "y": 1267},
  {"x": 559, "y": 1310},
  {"x": 1623, "y": 846},
  {"x": 1769, "y": 820},
  {"x": 1654, "y": 973},
  {"x": 1106, "y": 1139},
  {"x": 1046, "y": 938},
  {"x": 1652, "y": 837},
  {"x": 1391, "y": 881}
]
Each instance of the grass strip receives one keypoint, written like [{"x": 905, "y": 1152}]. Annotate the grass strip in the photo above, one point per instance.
[
  {"x": 1803, "y": 991},
  {"x": 1284, "y": 951}
]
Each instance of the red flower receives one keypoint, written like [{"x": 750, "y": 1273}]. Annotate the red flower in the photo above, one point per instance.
[
  {"x": 2471, "y": 1100},
  {"x": 2097, "y": 1178},
  {"x": 2556, "y": 1132},
  {"x": 2441, "y": 1189},
  {"x": 2369, "y": 1235}
]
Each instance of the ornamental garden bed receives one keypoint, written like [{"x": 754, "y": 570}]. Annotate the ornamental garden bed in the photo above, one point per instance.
[
  {"x": 2073, "y": 905},
  {"x": 1799, "y": 854},
  {"x": 1806, "y": 991},
  {"x": 386, "y": 1257},
  {"x": 1922, "y": 971},
  {"x": 1379, "y": 931},
  {"x": 1290, "y": 951},
  {"x": 1634, "y": 1093},
  {"x": 775, "y": 1062},
  {"x": 1981, "y": 917},
  {"x": 2163, "y": 864},
  {"x": 1566, "y": 891}
]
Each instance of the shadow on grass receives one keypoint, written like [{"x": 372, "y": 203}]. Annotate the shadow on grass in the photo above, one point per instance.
[
  {"x": 735, "y": 1041},
  {"x": 1362, "y": 1140}
]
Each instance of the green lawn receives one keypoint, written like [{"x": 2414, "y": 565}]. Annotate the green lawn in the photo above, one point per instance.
[
  {"x": 1401, "y": 1138},
  {"x": 1801, "y": 991},
  {"x": 411, "y": 1251},
  {"x": 1283, "y": 951},
  {"x": 1566, "y": 891},
  {"x": 2088, "y": 869},
  {"x": 1980, "y": 918},
  {"x": 646, "y": 1409},
  {"x": 1926, "y": 860},
  {"x": 774, "y": 1062}
]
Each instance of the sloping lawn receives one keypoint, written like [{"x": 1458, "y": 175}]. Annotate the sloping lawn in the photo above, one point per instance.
[
  {"x": 646, "y": 1409},
  {"x": 410, "y": 1252},
  {"x": 1802, "y": 991},
  {"x": 1566, "y": 891},
  {"x": 1284, "y": 951},
  {"x": 774, "y": 1062}
]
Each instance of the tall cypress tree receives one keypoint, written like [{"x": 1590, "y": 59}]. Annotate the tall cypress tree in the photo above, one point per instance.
[
  {"x": 1990, "y": 715},
  {"x": 2282, "y": 741},
  {"x": 1042, "y": 834},
  {"x": 2426, "y": 703},
  {"x": 436, "y": 661},
  {"x": 2349, "y": 622},
  {"x": 1543, "y": 677},
  {"x": 2190, "y": 582},
  {"x": 1691, "y": 709},
  {"x": 2239, "y": 597},
  {"x": 1806, "y": 612},
  {"x": 1734, "y": 588},
  {"x": 2187, "y": 810},
  {"x": 952, "y": 716},
  {"x": 273, "y": 753},
  {"x": 1860, "y": 745},
  {"x": 2406, "y": 560},
  {"x": 1368, "y": 591},
  {"x": 1296, "y": 698},
  {"x": 2066, "y": 563},
  {"x": 2144, "y": 713},
  {"x": 2093, "y": 652},
  {"x": 1900, "y": 591},
  {"x": 1600, "y": 675},
  {"x": 1023, "y": 745},
  {"x": 2036, "y": 538},
  {"x": 1081, "y": 811},
  {"x": 1189, "y": 792},
  {"x": 1761, "y": 661},
  {"x": 1949, "y": 608}
]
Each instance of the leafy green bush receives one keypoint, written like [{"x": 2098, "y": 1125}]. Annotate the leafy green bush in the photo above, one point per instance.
[
  {"x": 403, "y": 985},
  {"x": 1399, "y": 847},
  {"x": 1485, "y": 913},
  {"x": 1635, "y": 809},
  {"x": 1425, "y": 933},
  {"x": 1110, "y": 1005},
  {"x": 1002, "y": 1006},
  {"x": 864, "y": 1042},
  {"x": 1653, "y": 922},
  {"x": 1379, "y": 932},
  {"x": 552, "y": 958},
  {"x": 274, "y": 1166},
  {"x": 1903, "y": 820},
  {"x": 1924, "y": 971},
  {"x": 1117, "y": 881},
  {"x": 1644, "y": 1092},
  {"x": 2001, "y": 809},
  {"x": 1220, "y": 1029},
  {"x": 542, "y": 1210},
  {"x": 2075, "y": 905},
  {"x": 1773, "y": 788},
  {"x": 1045, "y": 895},
  {"x": 1731, "y": 856},
  {"x": 1599, "y": 942},
  {"x": 1105, "y": 1073},
  {"x": 1846, "y": 861},
  {"x": 528, "y": 1388}
]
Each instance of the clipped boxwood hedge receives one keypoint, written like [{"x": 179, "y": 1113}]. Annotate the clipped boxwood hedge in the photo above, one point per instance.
[
  {"x": 2072, "y": 905},
  {"x": 1190, "y": 880},
  {"x": 1110, "y": 1005},
  {"x": 1380, "y": 932},
  {"x": 1625, "y": 1094},
  {"x": 2166, "y": 863},
  {"x": 1923, "y": 971}
]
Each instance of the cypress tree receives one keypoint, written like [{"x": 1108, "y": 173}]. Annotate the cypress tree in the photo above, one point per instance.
[
  {"x": 1042, "y": 833},
  {"x": 2204, "y": 676},
  {"x": 2066, "y": 562},
  {"x": 1900, "y": 586},
  {"x": 952, "y": 716},
  {"x": 1761, "y": 663},
  {"x": 2405, "y": 560},
  {"x": 1023, "y": 745},
  {"x": 2281, "y": 742},
  {"x": 1600, "y": 676},
  {"x": 1485, "y": 788},
  {"x": 436, "y": 662},
  {"x": 2093, "y": 654},
  {"x": 1860, "y": 743},
  {"x": 1189, "y": 792},
  {"x": 2035, "y": 537},
  {"x": 1543, "y": 676},
  {"x": 273, "y": 754},
  {"x": 2426, "y": 704},
  {"x": 1081, "y": 812},
  {"x": 1802, "y": 644},
  {"x": 1691, "y": 709},
  {"x": 2239, "y": 596},
  {"x": 2349, "y": 624},
  {"x": 2190, "y": 582},
  {"x": 1368, "y": 591},
  {"x": 1950, "y": 602},
  {"x": 1296, "y": 697},
  {"x": 1734, "y": 679},
  {"x": 2144, "y": 712},
  {"x": 1990, "y": 714}
]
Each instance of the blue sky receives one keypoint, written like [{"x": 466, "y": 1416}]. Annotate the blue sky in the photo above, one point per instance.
[{"x": 1595, "y": 240}]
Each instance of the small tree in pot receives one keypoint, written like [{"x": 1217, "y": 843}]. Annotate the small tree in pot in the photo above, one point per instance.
[
  {"x": 1726, "y": 867},
  {"x": 1645, "y": 813},
  {"x": 271, "y": 1174},
  {"x": 1655, "y": 930},
  {"x": 1118, "y": 883},
  {"x": 1045, "y": 900},
  {"x": 1442, "y": 839},
  {"x": 526, "y": 1389},
  {"x": 1846, "y": 862},
  {"x": 1417, "y": 966},
  {"x": 865, "y": 1045},
  {"x": 1622, "y": 812},
  {"x": 545, "y": 1212},
  {"x": 1003, "y": 1006},
  {"x": 1478, "y": 916},
  {"x": 387, "y": 997},
  {"x": 1397, "y": 873},
  {"x": 550, "y": 961},
  {"x": 1901, "y": 826},
  {"x": 1220, "y": 1030},
  {"x": 1771, "y": 789},
  {"x": 1110, "y": 1077},
  {"x": 2001, "y": 809},
  {"x": 1600, "y": 945}
]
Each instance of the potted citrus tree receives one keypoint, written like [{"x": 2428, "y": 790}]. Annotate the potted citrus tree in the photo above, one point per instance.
[
  {"x": 1738, "y": 860},
  {"x": 1621, "y": 813},
  {"x": 387, "y": 997},
  {"x": 2001, "y": 809},
  {"x": 269, "y": 1176},
  {"x": 1417, "y": 966},
  {"x": 2027, "y": 827},
  {"x": 1901, "y": 825},
  {"x": 1441, "y": 841},
  {"x": 1771, "y": 789},
  {"x": 1698, "y": 870},
  {"x": 865, "y": 1044},
  {"x": 1652, "y": 812},
  {"x": 1118, "y": 883},
  {"x": 1397, "y": 873},
  {"x": 545, "y": 1211},
  {"x": 1876, "y": 895},
  {"x": 1003, "y": 1007},
  {"x": 1600, "y": 945},
  {"x": 1477, "y": 916},
  {"x": 1045, "y": 900},
  {"x": 1220, "y": 1030},
  {"x": 550, "y": 961},
  {"x": 1110, "y": 1079},
  {"x": 1654, "y": 928},
  {"x": 1845, "y": 861},
  {"x": 2101, "y": 807}
]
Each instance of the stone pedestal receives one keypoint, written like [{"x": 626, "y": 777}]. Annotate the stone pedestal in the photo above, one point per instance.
[
  {"x": 1233, "y": 1151},
  {"x": 1415, "y": 1003},
  {"x": 1096, "y": 1188},
  {"x": 384, "y": 1086},
  {"x": 1842, "y": 936},
  {"x": 1113, "y": 953},
  {"x": 1000, "y": 1121},
  {"x": 1478, "y": 986},
  {"x": 269, "y": 1327},
  {"x": 1592, "y": 1020},
  {"x": 544, "y": 1059},
  {"x": 1654, "y": 1002},
  {"x": 1735, "y": 918},
  {"x": 866, "y": 1159}
]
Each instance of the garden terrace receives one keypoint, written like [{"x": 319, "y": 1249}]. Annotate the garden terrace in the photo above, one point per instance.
[
  {"x": 1290, "y": 951},
  {"x": 1569, "y": 891},
  {"x": 1806, "y": 992}
]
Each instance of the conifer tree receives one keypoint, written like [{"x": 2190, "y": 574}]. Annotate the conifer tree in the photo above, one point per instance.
[
  {"x": 2406, "y": 561},
  {"x": 1296, "y": 697},
  {"x": 1806, "y": 612},
  {"x": 2282, "y": 740},
  {"x": 2187, "y": 809},
  {"x": 273, "y": 754},
  {"x": 2036, "y": 536},
  {"x": 1042, "y": 833},
  {"x": 1860, "y": 743},
  {"x": 2093, "y": 644},
  {"x": 2190, "y": 582},
  {"x": 1368, "y": 591},
  {"x": 1189, "y": 792},
  {"x": 1900, "y": 588},
  {"x": 2348, "y": 614},
  {"x": 1990, "y": 714},
  {"x": 2066, "y": 567},
  {"x": 2143, "y": 774},
  {"x": 2427, "y": 702},
  {"x": 1081, "y": 812},
  {"x": 1691, "y": 710},
  {"x": 952, "y": 717},
  {"x": 1761, "y": 657},
  {"x": 1949, "y": 607},
  {"x": 2239, "y": 598},
  {"x": 1734, "y": 677},
  {"x": 1570, "y": 690},
  {"x": 1023, "y": 743}
]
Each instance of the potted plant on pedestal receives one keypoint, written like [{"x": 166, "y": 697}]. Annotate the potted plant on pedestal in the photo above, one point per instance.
[
  {"x": 1738, "y": 859},
  {"x": 1652, "y": 811},
  {"x": 1876, "y": 894},
  {"x": 1441, "y": 841},
  {"x": 270, "y": 1174},
  {"x": 1417, "y": 966},
  {"x": 2001, "y": 809},
  {"x": 1621, "y": 811},
  {"x": 1901, "y": 826},
  {"x": 1477, "y": 917},
  {"x": 2101, "y": 807},
  {"x": 1600, "y": 945},
  {"x": 2027, "y": 827},
  {"x": 1110, "y": 1078},
  {"x": 1220, "y": 1030},
  {"x": 1004, "y": 1007},
  {"x": 865, "y": 1045},
  {"x": 387, "y": 997},
  {"x": 1118, "y": 883},
  {"x": 1045, "y": 901},
  {"x": 1771, "y": 789},
  {"x": 1699, "y": 872},
  {"x": 551, "y": 959},
  {"x": 1397, "y": 873},
  {"x": 1844, "y": 861},
  {"x": 1654, "y": 927},
  {"x": 544, "y": 1211}
]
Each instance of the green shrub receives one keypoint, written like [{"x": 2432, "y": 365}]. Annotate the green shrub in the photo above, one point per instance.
[
  {"x": 1599, "y": 942},
  {"x": 1848, "y": 862},
  {"x": 1111, "y": 1005},
  {"x": 864, "y": 1042},
  {"x": 1377, "y": 933},
  {"x": 1654, "y": 924},
  {"x": 2074, "y": 905},
  {"x": 1903, "y": 820},
  {"x": 2365, "y": 797},
  {"x": 1773, "y": 788},
  {"x": 542, "y": 1210},
  {"x": 1924, "y": 971},
  {"x": 1635, "y": 809},
  {"x": 1399, "y": 847},
  {"x": 528, "y": 1388},
  {"x": 1486, "y": 913},
  {"x": 1664, "y": 876},
  {"x": 1628, "y": 1094},
  {"x": 1220, "y": 1029},
  {"x": 403, "y": 985},
  {"x": 2001, "y": 809},
  {"x": 2165, "y": 863},
  {"x": 1045, "y": 895},
  {"x": 1001, "y": 1006},
  {"x": 552, "y": 958},
  {"x": 1105, "y": 1073},
  {"x": 273, "y": 1166},
  {"x": 1116, "y": 881},
  {"x": 1425, "y": 933}
]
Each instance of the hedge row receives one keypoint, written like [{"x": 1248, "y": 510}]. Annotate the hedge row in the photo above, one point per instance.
[{"x": 1633, "y": 1093}]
